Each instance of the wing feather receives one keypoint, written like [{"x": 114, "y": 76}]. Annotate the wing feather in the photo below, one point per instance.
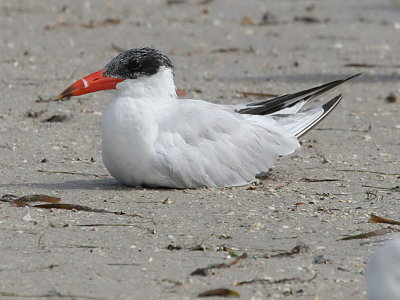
[
  {"x": 277, "y": 104},
  {"x": 210, "y": 145}
]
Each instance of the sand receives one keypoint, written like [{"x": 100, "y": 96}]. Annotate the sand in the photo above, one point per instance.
[{"x": 219, "y": 48}]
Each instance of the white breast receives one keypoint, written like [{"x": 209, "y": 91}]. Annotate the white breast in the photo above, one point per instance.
[
  {"x": 151, "y": 138},
  {"x": 130, "y": 125}
]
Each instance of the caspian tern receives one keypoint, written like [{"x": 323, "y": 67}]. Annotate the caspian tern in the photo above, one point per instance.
[{"x": 152, "y": 138}]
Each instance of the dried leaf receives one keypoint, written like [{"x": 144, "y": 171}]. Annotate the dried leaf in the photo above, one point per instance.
[
  {"x": 53, "y": 294},
  {"x": 18, "y": 203},
  {"x": 53, "y": 202},
  {"x": 222, "y": 292},
  {"x": 39, "y": 198},
  {"x": 264, "y": 95},
  {"x": 234, "y": 50},
  {"x": 107, "y": 225},
  {"x": 170, "y": 2},
  {"x": 108, "y": 21},
  {"x": 390, "y": 189},
  {"x": 92, "y": 24},
  {"x": 305, "y": 179},
  {"x": 306, "y": 19},
  {"x": 70, "y": 207},
  {"x": 123, "y": 264},
  {"x": 361, "y": 65},
  {"x": 60, "y": 24},
  {"x": 368, "y": 171},
  {"x": 278, "y": 281},
  {"x": 368, "y": 129},
  {"x": 367, "y": 235},
  {"x": 25, "y": 200},
  {"x": 300, "y": 248},
  {"x": 73, "y": 173},
  {"x": 377, "y": 219},
  {"x": 56, "y": 119},
  {"x": 207, "y": 271}
]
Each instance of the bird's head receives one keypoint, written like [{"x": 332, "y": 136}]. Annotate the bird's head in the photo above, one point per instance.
[{"x": 130, "y": 64}]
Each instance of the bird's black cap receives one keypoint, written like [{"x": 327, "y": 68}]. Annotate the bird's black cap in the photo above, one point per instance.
[{"x": 134, "y": 63}]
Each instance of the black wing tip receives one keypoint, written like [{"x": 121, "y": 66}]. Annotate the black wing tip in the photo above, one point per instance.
[
  {"x": 275, "y": 104},
  {"x": 331, "y": 104},
  {"x": 330, "y": 86},
  {"x": 327, "y": 108},
  {"x": 351, "y": 77}
]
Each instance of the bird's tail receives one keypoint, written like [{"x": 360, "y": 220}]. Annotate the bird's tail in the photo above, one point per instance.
[
  {"x": 299, "y": 123},
  {"x": 285, "y": 109},
  {"x": 289, "y": 103}
]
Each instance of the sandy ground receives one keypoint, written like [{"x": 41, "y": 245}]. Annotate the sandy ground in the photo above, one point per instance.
[{"x": 218, "y": 47}]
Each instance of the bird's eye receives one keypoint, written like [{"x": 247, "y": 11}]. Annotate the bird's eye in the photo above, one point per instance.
[{"x": 133, "y": 64}]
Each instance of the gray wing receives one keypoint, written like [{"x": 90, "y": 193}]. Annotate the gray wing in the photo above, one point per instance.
[{"x": 211, "y": 145}]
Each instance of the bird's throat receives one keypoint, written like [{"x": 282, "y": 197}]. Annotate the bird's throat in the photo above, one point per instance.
[{"x": 158, "y": 86}]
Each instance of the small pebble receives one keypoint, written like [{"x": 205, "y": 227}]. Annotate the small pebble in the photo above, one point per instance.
[{"x": 391, "y": 98}]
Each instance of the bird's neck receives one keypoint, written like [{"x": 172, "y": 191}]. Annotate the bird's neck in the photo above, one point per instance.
[{"x": 160, "y": 85}]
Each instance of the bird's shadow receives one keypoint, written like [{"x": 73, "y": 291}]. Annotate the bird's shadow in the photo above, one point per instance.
[{"x": 104, "y": 184}]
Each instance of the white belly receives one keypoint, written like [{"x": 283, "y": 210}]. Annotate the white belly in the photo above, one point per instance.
[{"x": 127, "y": 142}]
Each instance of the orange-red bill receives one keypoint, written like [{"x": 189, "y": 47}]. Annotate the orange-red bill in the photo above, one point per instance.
[{"x": 89, "y": 84}]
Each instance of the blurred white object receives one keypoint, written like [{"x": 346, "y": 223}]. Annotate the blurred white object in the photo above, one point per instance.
[
  {"x": 383, "y": 274},
  {"x": 397, "y": 3}
]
